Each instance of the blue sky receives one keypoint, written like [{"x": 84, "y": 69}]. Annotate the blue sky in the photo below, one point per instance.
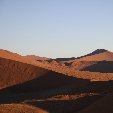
[{"x": 56, "y": 28}]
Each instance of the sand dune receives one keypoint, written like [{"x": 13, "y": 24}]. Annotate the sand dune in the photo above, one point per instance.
[
  {"x": 98, "y": 55},
  {"x": 82, "y": 85},
  {"x": 9, "y": 55},
  {"x": 20, "y": 108},
  {"x": 37, "y": 58}
]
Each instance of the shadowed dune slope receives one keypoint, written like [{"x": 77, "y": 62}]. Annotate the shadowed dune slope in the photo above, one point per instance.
[
  {"x": 94, "y": 66},
  {"x": 102, "y": 66},
  {"x": 104, "y": 105},
  {"x": 54, "y": 106},
  {"x": 14, "y": 72}
]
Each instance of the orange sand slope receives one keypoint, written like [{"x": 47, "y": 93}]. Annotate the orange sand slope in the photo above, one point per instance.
[
  {"x": 99, "y": 56},
  {"x": 20, "y": 108}
]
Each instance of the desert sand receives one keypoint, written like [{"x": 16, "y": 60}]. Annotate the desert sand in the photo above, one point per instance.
[{"x": 32, "y": 84}]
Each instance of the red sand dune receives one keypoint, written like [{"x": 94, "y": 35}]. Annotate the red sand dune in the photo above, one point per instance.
[
  {"x": 9, "y": 55},
  {"x": 14, "y": 72},
  {"x": 13, "y": 56},
  {"x": 20, "y": 108},
  {"x": 52, "y": 86},
  {"x": 98, "y": 55}
]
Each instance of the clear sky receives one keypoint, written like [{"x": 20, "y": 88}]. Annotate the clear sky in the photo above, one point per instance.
[{"x": 56, "y": 28}]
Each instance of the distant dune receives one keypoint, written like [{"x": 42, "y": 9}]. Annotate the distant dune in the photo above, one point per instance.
[
  {"x": 98, "y": 55},
  {"x": 37, "y": 58}
]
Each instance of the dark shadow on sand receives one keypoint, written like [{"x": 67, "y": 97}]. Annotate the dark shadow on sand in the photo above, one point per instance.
[{"x": 101, "y": 66}]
